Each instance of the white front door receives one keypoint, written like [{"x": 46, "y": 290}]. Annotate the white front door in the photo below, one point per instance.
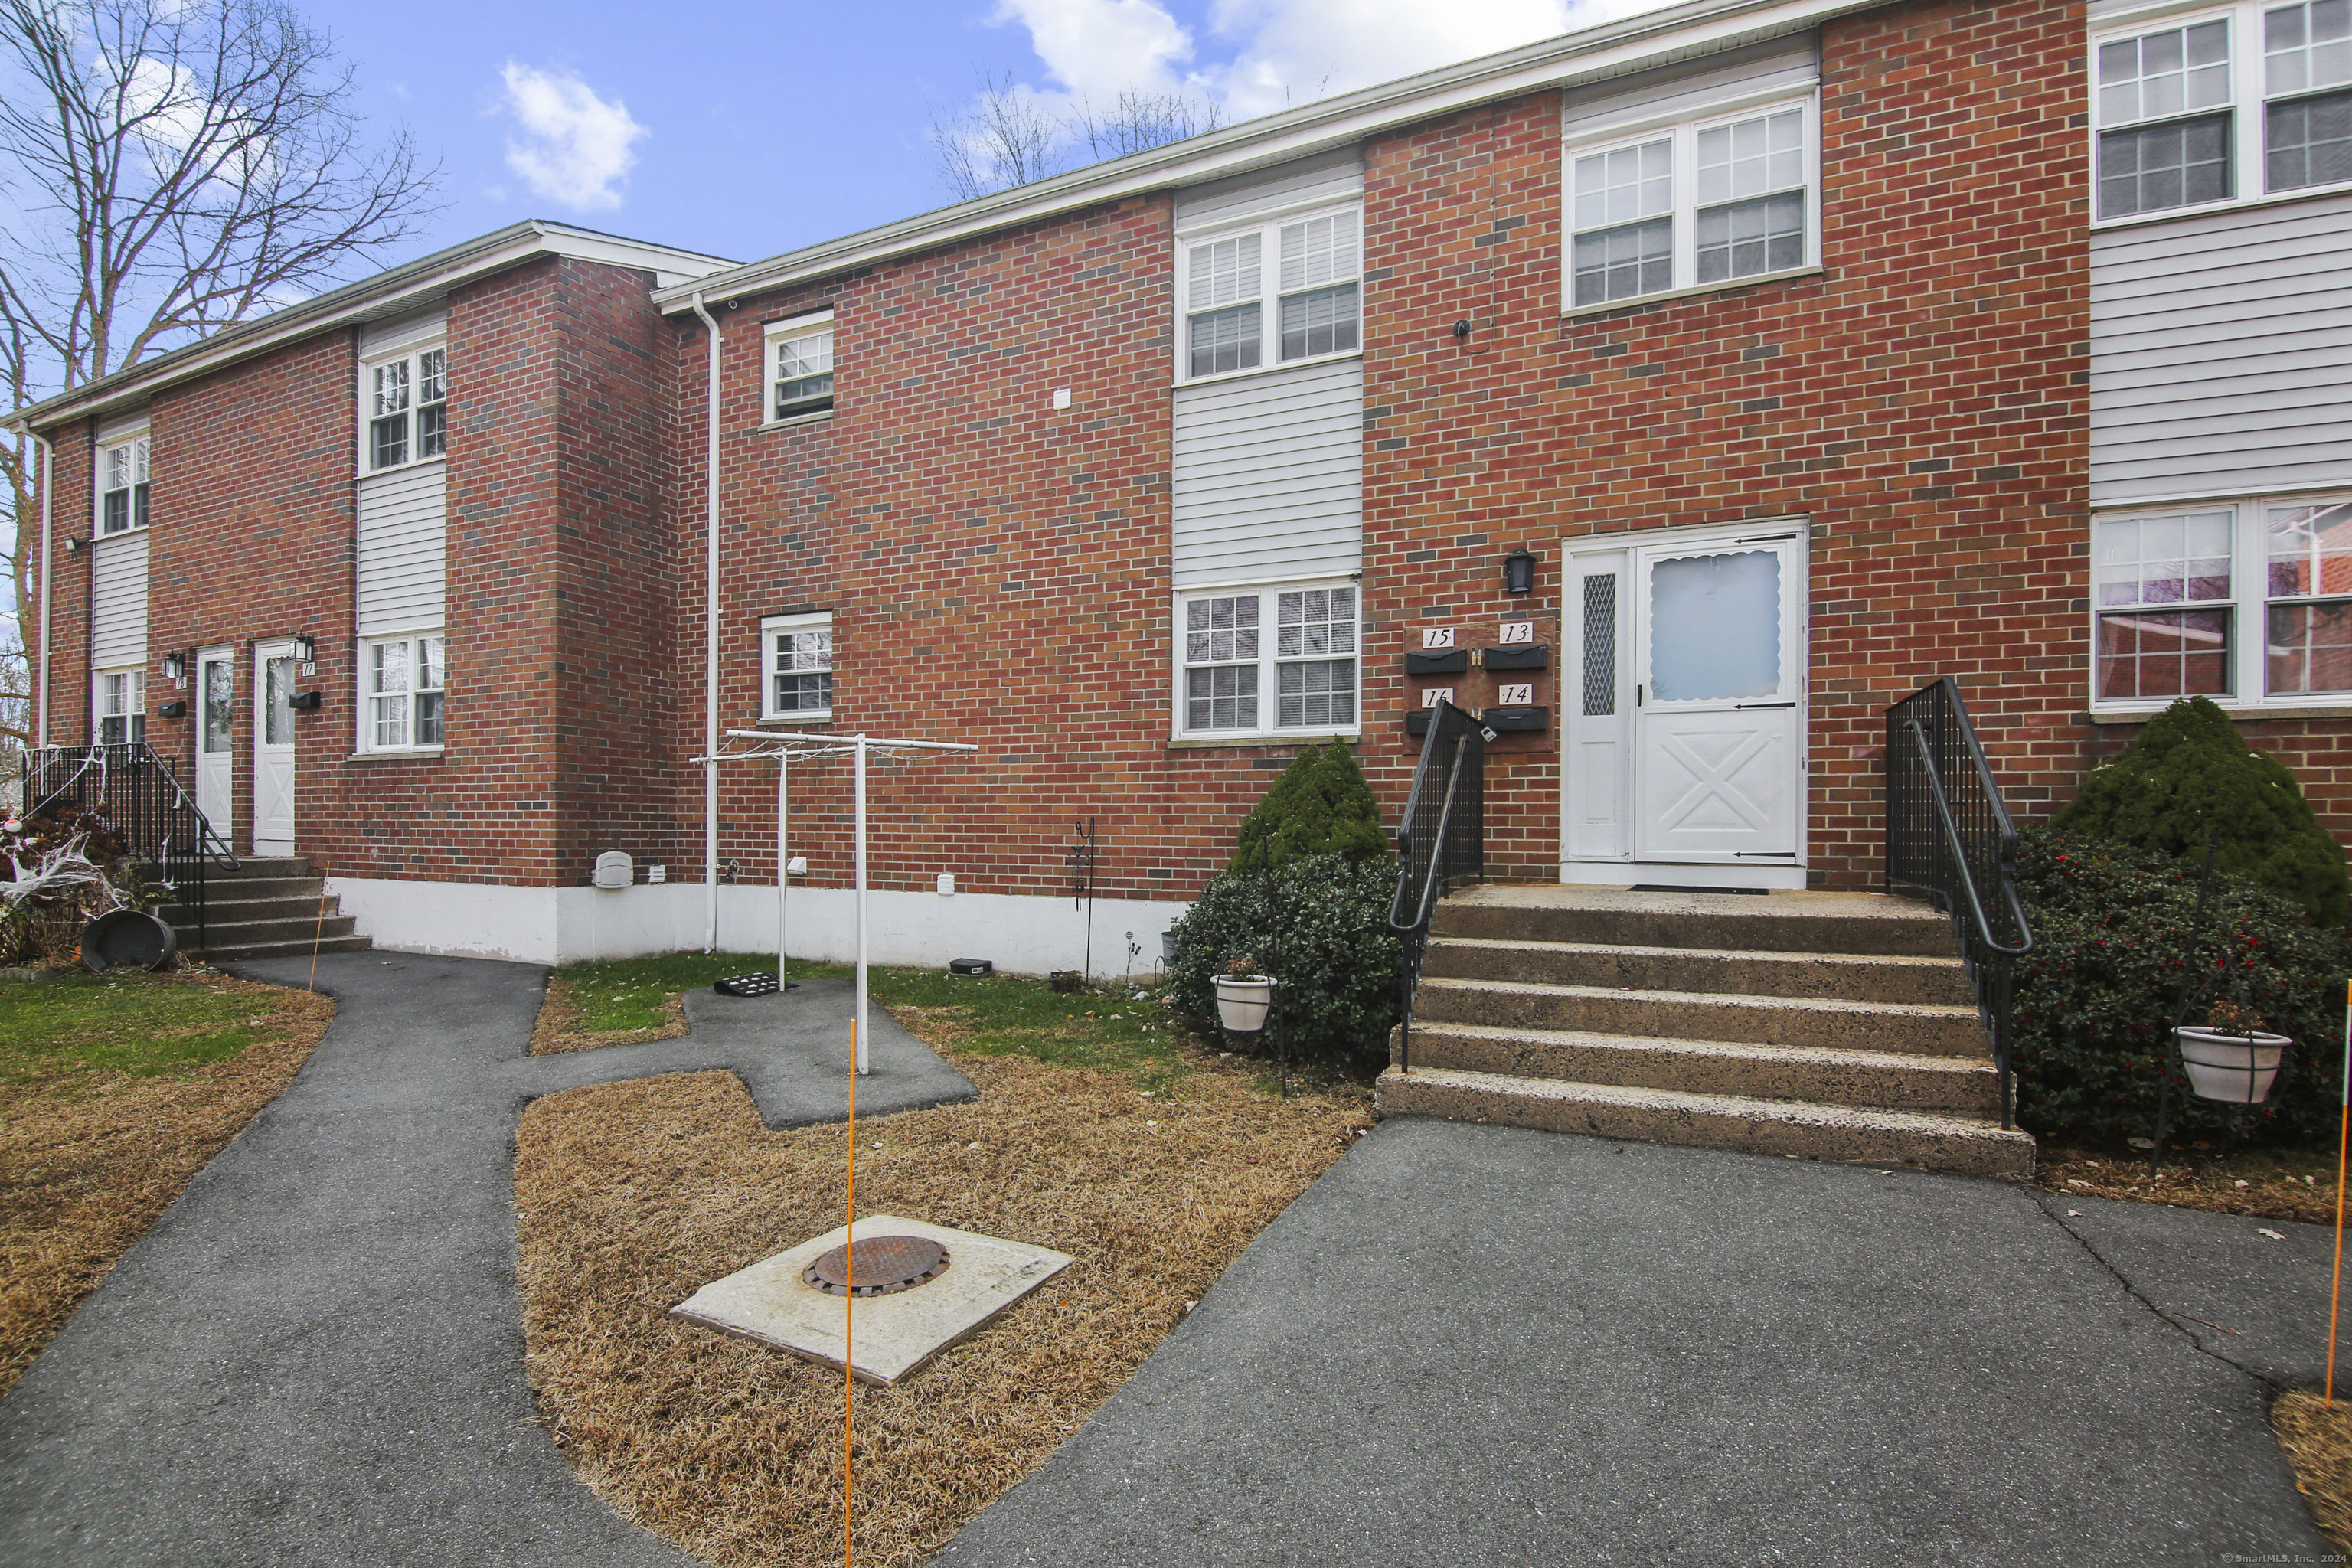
[
  {"x": 273, "y": 748},
  {"x": 1682, "y": 691},
  {"x": 216, "y": 743}
]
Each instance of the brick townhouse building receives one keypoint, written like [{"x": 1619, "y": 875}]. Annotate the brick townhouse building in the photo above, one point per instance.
[{"x": 1713, "y": 378}]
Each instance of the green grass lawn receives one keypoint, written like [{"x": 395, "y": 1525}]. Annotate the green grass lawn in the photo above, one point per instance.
[
  {"x": 1103, "y": 1027},
  {"x": 143, "y": 1025}
]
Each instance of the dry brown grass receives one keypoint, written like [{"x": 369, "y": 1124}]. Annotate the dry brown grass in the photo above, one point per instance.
[
  {"x": 2319, "y": 1444},
  {"x": 2259, "y": 1183},
  {"x": 88, "y": 1158},
  {"x": 559, "y": 1026},
  {"x": 634, "y": 1195}
]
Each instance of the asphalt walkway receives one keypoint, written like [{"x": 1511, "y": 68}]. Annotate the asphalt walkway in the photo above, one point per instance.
[
  {"x": 1482, "y": 1345},
  {"x": 315, "y": 1357}
]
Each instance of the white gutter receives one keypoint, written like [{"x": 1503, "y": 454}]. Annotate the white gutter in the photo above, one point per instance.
[
  {"x": 49, "y": 489},
  {"x": 711, "y": 646}
]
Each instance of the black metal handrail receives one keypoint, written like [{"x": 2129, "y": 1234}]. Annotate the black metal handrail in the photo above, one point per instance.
[
  {"x": 1441, "y": 843},
  {"x": 135, "y": 790},
  {"x": 1949, "y": 836}
]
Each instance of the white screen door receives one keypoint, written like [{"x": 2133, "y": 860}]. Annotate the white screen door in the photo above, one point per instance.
[
  {"x": 1718, "y": 680},
  {"x": 215, "y": 739},
  {"x": 273, "y": 749}
]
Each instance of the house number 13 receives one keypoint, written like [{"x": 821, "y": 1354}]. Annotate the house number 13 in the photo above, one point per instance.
[{"x": 1518, "y": 631}]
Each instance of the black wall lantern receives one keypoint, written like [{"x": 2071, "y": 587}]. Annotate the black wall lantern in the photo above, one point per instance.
[
  {"x": 1519, "y": 572},
  {"x": 175, "y": 666},
  {"x": 304, "y": 650}
]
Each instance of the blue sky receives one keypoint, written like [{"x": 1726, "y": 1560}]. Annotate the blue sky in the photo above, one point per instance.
[{"x": 744, "y": 131}]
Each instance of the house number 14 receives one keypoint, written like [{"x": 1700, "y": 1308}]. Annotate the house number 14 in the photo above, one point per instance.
[{"x": 1517, "y": 696}]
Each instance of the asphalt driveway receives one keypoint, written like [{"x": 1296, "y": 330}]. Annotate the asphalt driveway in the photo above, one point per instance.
[{"x": 1477, "y": 1344}]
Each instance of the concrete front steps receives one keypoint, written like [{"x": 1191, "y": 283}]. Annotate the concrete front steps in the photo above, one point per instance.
[
  {"x": 1825, "y": 1026},
  {"x": 265, "y": 909}
]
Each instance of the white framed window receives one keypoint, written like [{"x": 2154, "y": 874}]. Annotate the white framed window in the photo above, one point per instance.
[
  {"x": 1276, "y": 660},
  {"x": 2248, "y": 602},
  {"x": 120, "y": 706},
  {"x": 796, "y": 664},
  {"x": 404, "y": 409},
  {"x": 404, "y": 687},
  {"x": 2237, "y": 103},
  {"x": 799, "y": 374},
  {"x": 122, "y": 485},
  {"x": 1709, "y": 201},
  {"x": 1283, "y": 291}
]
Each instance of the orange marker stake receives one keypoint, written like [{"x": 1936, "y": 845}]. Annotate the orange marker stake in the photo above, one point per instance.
[
  {"x": 318, "y": 935},
  {"x": 2343, "y": 1138}
]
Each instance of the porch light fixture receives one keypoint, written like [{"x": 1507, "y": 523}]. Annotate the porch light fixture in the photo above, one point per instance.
[
  {"x": 1519, "y": 572},
  {"x": 175, "y": 666},
  {"x": 304, "y": 650}
]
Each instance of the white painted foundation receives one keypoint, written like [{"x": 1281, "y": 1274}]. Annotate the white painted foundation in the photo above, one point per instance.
[{"x": 1022, "y": 934}]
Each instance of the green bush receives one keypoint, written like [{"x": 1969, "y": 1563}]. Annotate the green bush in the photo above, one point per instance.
[
  {"x": 1320, "y": 806},
  {"x": 2190, "y": 772},
  {"x": 1337, "y": 962},
  {"x": 2095, "y": 998}
]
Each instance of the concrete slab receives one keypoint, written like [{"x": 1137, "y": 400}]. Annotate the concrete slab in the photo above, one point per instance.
[
  {"x": 1486, "y": 1345},
  {"x": 887, "y": 1337}
]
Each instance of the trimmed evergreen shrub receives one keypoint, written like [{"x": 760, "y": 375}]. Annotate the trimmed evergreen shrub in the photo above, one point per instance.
[
  {"x": 1337, "y": 965},
  {"x": 2095, "y": 998},
  {"x": 1320, "y": 806},
  {"x": 2191, "y": 771}
]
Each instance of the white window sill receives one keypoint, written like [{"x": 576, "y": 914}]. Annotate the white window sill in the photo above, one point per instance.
[
  {"x": 404, "y": 467},
  {"x": 1635, "y": 301},
  {"x": 2234, "y": 203},
  {"x": 117, "y": 533},
  {"x": 1287, "y": 737},
  {"x": 2337, "y": 707},
  {"x": 1267, "y": 369},
  {"x": 792, "y": 721},
  {"x": 790, "y": 420},
  {"x": 395, "y": 754}
]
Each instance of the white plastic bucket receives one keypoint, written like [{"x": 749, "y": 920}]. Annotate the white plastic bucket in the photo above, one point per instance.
[{"x": 2237, "y": 1068}]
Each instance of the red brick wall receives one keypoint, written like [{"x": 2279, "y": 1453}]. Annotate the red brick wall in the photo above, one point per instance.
[
  {"x": 1921, "y": 400},
  {"x": 997, "y": 570},
  {"x": 558, "y": 582},
  {"x": 70, "y": 518}
]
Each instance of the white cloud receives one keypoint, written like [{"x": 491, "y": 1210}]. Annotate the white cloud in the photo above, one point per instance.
[
  {"x": 576, "y": 147},
  {"x": 1292, "y": 51},
  {"x": 1100, "y": 49}
]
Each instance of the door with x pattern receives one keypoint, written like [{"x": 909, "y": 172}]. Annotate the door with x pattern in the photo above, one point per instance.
[{"x": 1719, "y": 673}]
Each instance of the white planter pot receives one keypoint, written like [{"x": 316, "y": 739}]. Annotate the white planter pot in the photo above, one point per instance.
[
  {"x": 2233, "y": 1067},
  {"x": 1243, "y": 1001}
]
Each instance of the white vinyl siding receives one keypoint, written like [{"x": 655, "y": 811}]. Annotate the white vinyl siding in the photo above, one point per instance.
[
  {"x": 1785, "y": 68},
  {"x": 1326, "y": 179},
  {"x": 403, "y": 549},
  {"x": 2222, "y": 354},
  {"x": 1269, "y": 476},
  {"x": 118, "y": 599}
]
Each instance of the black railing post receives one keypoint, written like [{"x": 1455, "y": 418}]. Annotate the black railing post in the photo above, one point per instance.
[
  {"x": 1441, "y": 843},
  {"x": 1948, "y": 834}
]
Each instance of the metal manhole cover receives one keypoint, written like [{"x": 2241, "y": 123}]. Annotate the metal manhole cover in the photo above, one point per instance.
[{"x": 885, "y": 1263}]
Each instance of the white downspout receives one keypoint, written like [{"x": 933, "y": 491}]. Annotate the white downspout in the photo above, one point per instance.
[
  {"x": 49, "y": 489},
  {"x": 711, "y": 646}
]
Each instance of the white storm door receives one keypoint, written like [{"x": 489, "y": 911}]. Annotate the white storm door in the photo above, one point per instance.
[
  {"x": 1596, "y": 700},
  {"x": 273, "y": 748},
  {"x": 1718, "y": 694},
  {"x": 216, "y": 739}
]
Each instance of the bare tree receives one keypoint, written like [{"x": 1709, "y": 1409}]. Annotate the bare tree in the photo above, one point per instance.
[
  {"x": 167, "y": 168},
  {"x": 1138, "y": 121},
  {"x": 1004, "y": 138}
]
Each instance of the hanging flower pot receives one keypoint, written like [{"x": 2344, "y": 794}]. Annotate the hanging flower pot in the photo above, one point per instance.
[
  {"x": 1243, "y": 1001},
  {"x": 2236, "y": 1068}
]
